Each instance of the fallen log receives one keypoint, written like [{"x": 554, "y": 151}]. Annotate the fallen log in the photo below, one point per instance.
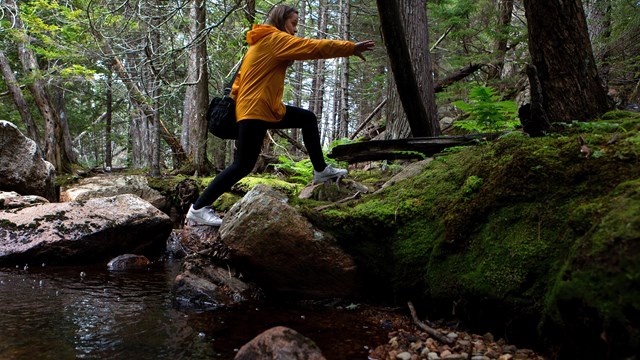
[{"x": 410, "y": 148}]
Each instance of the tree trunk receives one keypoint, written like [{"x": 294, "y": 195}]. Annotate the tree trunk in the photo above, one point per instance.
[
  {"x": 599, "y": 13},
  {"x": 18, "y": 99},
  {"x": 54, "y": 138},
  {"x": 563, "y": 62},
  {"x": 316, "y": 100},
  {"x": 404, "y": 27},
  {"x": 250, "y": 12},
  {"x": 108, "y": 153},
  {"x": 343, "y": 119},
  {"x": 196, "y": 99},
  {"x": 58, "y": 104},
  {"x": 500, "y": 47}
]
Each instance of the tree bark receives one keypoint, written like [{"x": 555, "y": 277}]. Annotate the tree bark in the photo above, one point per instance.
[
  {"x": 316, "y": 100},
  {"x": 196, "y": 98},
  {"x": 563, "y": 61},
  {"x": 18, "y": 99},
  {"x": 108, "y": 152},
  {"x": 343, "y": 119},
  {"x": 599, "y": 13},
  {"x": 500, "y": 46},
  {"x": 410, "y": 61},
  {"x": 58, "y": 104}
]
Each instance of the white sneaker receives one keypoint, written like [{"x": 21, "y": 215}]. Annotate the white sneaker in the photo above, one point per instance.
[
  {"x": 327, "y": 174},
  {"x": 204, "y": 216}
]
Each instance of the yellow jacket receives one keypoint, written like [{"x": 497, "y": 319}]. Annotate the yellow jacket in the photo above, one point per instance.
[{"x": 259, "y": 85}]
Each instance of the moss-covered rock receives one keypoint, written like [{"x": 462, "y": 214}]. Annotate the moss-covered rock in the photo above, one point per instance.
[{"x": 521, "y": 233}]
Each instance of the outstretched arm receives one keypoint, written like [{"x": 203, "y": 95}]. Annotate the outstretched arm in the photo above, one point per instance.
[{"x": 363, "y": 46}]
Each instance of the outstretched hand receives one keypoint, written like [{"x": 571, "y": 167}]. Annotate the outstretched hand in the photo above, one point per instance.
[{"x": 363, "y": 46}]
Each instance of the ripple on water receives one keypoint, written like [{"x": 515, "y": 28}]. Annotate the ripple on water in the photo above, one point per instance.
[{"x": 55, "y": 313}]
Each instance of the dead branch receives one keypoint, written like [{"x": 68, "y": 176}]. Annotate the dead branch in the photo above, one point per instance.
[
  {"x": 366, "y": 121},
  {"x": 431, "y": 331}
]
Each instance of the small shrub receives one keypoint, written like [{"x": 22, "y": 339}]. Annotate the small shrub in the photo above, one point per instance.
[{"x": 486, "y": 113}]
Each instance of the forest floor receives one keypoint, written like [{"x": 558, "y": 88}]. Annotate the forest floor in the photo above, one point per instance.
[{"x": 411, "y": 338}]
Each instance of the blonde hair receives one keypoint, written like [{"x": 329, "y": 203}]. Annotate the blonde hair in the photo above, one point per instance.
[{"x": 279, "y": 15}]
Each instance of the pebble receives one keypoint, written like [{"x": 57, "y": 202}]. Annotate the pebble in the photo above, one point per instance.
[{"x": 415, "y": 344}]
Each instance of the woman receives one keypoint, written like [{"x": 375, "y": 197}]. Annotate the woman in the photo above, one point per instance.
[{"x": 258, "y": 90}]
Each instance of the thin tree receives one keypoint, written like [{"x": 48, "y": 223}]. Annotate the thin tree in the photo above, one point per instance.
[
  {"x": 345, "y": 32},
  {"x": 501, "y": 42},
  {"x": 108, "y": 152},
  {"x": 196, "y": 97}
]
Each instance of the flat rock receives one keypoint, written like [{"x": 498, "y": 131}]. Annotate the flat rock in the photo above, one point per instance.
[{"x": 82, "y": 231}]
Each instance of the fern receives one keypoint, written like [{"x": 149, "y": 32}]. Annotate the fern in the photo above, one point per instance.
[
  {"x": 298, "y": 171},
  {"x": 486, "y": 113}
]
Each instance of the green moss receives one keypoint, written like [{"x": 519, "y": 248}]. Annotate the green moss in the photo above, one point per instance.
[
  {"x": 249, "y": 182},
  {"x": 531, "y": 224},
  {"x": 6, "y": 224},
  {"x": 226, "y": 201},
  {"x": 621, "y": 115},
  {"x": 412, "y": 252},
  {"x": 600, "y": 280}
]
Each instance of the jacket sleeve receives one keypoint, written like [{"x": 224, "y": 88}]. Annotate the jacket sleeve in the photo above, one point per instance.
[{"x": 288, "y": 47}]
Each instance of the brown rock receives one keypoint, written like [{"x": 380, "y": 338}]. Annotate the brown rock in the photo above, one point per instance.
[
  {"x": 273, "y": 245},
  {"x": 280, "y": 343},
  {"x": 128, "y": 262}
]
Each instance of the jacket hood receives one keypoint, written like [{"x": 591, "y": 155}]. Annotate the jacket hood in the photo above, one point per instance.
[{"x": 258, "y": 32}]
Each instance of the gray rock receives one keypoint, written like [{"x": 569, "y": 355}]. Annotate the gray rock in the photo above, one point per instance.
[
  {"x": 112, "y": 185},
  {"x": 280, "y": 343},
  {"x": 82, "y": 232},
  {"x": 13, "y": 200},
  {"x": 275, "y": 246},
  {"x": 22, "y": 165}
]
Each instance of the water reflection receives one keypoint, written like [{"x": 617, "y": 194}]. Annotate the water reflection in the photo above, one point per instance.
[
  {"x": 57, "y": 313},
  {"x": 54, "y": 313}
]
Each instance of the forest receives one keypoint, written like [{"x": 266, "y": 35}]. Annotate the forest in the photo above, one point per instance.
[
  {"x": 532, "y": 234},
  {"x": 126, "y": 84}
]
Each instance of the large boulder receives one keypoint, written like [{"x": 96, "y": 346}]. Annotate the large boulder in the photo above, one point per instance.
[
  {"x": 22, "y": 166},
  {"x": 275, "y": 246},
  {"x": 280, "y": 343},
  {"x": 82, "y": 232},
  {"x": 112, "y": 185}
]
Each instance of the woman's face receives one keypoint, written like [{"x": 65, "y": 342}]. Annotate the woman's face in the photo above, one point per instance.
[{"x": 291, "y": 24}]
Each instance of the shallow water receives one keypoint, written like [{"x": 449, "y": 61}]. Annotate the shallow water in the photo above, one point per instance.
[{"x": 91, "y": 313}]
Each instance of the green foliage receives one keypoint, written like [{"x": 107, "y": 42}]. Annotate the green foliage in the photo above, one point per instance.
[
  {"x": 486, "y": 113},
  {"x": 298, "y": 171}
]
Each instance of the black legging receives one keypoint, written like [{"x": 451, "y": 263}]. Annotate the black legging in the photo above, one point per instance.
[{"x": 249, "y": 144}]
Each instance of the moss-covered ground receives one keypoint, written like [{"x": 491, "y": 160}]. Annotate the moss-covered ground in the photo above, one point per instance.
[{"x": 541, "y": 233}]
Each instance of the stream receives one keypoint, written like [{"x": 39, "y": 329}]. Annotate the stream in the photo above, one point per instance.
[{"x": 50, "y": 312}]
